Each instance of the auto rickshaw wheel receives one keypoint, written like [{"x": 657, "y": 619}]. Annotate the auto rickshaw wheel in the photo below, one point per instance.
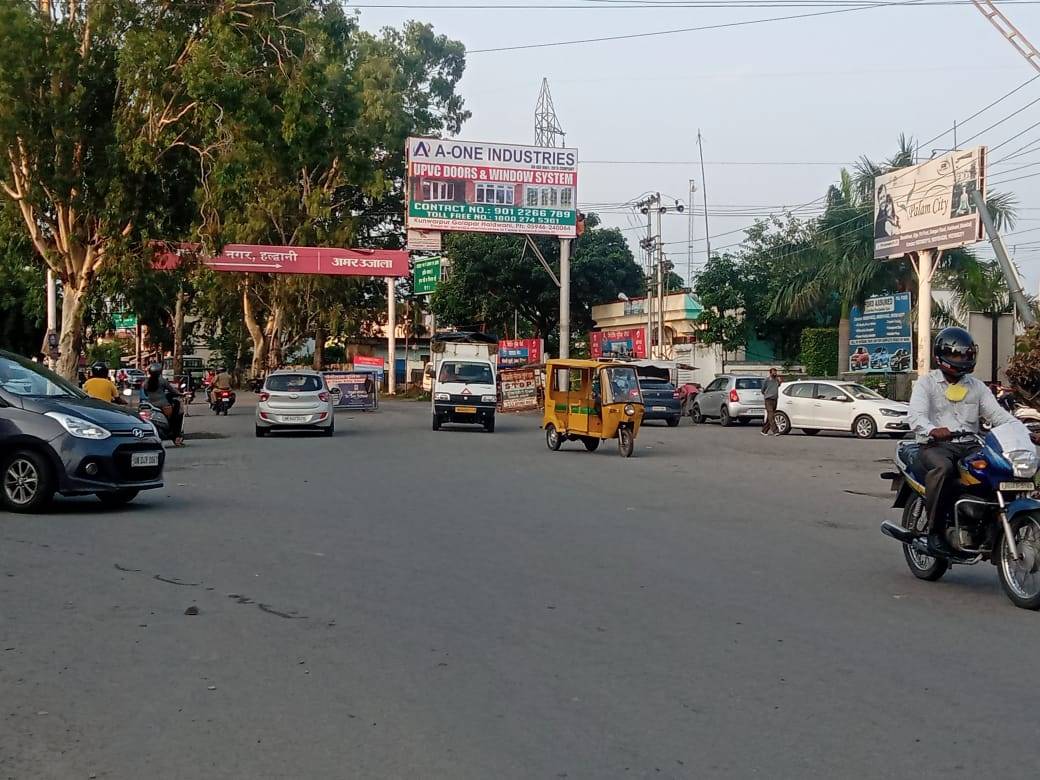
[
  {"x": 590, "y": 443},
  {"x": 553, "y": 440},
  {"x": 626, "y": 442}
]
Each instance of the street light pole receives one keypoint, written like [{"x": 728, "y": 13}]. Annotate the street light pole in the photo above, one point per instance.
[{"x": 565, "y": 298}]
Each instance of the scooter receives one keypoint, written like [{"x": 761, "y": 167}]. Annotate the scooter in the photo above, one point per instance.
[
  {"x": 151, "y": 414},
  {"x": 993, "y": 516},
  {"x": 222, "y": 401}
]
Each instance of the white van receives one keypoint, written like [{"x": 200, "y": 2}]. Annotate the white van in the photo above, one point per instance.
[{"x": 464, "y": 373}]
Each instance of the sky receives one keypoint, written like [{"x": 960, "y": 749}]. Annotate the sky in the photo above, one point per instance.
[{"x": 781, "y": 106}]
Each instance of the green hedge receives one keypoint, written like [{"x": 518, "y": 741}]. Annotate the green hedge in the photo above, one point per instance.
[{"x": 820, "y": 351}]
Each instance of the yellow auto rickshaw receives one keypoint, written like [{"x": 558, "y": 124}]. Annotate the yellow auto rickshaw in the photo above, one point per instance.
[{"x": 589, "y": 401}]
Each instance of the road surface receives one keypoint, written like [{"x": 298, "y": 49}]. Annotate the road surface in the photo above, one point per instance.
[{"x": 399, "y": 603}]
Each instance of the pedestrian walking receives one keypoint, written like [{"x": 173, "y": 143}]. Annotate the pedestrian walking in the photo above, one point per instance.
[{"x": 770, "y": 393}]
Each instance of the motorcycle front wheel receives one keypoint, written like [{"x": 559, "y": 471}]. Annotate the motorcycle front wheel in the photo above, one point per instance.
[
  {"x": 1021, "y": 578},
  {"x": 922, "y": 566}
]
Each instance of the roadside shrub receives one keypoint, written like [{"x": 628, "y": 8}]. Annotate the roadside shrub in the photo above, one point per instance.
[
  {"x": 820, "y": 351},
  {"x": 1024, "y": 369}
]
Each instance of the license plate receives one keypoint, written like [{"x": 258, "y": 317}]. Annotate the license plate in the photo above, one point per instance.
[
  {"x": 1018, "y": 486},
  {"x": 466, "y": 409},
  {"x": 658, "y": 408},
  {"x": 291, "y": 418},
  {"x": 144, "y": 459}
]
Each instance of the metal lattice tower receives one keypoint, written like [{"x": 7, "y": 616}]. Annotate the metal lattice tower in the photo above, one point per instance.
[
  {"x": 547, "y": 130},
  {"x": 1009, "y": 31}
]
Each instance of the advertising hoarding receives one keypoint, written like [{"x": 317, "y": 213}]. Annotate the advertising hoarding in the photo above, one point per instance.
[
  {"x": 353, "y": 389},
  {"x": 623, "y": 342},
  {"x": 492, "y": 188},
  {"x": 929, "y": 206},
  {"x": 424, "y": 240},
  {"x": 310, "y": 260},
  {"x": 520, "y": 352},
  {"x": 426, "y": 274},
  {"x": 519, "y": 390},
  {"x": 881, "y": 335}
]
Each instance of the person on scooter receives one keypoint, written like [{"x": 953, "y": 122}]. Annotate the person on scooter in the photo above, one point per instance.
[
  {"x": 99, "y": 386},
  {"x": 158, "y": 392},
  {"x": 222, "y": 381},
  {"x": 946, "y": 402}
]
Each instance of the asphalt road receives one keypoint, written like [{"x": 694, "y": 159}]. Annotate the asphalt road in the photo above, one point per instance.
[{"x": 398, "y": 603}]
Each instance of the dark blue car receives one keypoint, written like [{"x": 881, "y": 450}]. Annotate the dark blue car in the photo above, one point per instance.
[
  {"x": 56, "y": 439},
  {"x": 660, "y": 401}
]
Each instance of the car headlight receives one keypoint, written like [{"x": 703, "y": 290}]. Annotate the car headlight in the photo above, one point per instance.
[
  {"x": 487, "y": 399},
  {"x": 630, "y": 409},
  {"x": 441, "y": 397},
  {"x": 1023, "y": 463},
  {"x": 892, "y": 412},
  {"x": 78, "y": 427}
]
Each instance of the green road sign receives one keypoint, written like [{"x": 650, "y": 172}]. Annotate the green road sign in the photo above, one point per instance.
[
  {"x": 124, "y": 321},
  {"x": 425, "y": 275}
]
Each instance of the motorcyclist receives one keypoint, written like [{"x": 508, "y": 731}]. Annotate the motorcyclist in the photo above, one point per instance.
[
  {"x": 99, "y": 386},
  {"x": 160, "y": 394},
  {"x": 222, "y": 381},
  {"x": 946, "y": 404}
]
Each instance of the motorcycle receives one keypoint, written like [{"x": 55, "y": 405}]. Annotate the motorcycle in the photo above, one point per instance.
[
  {"x": 993, "y": 517},
  {"x": 256, "y": 384},
  {"x": 222, "y": 401},
  {"x": 153, "y": 415}
]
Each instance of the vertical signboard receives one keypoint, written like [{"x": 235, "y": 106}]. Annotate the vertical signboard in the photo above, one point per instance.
[
  {"x": 492, "y": 188},
  {"x": 520, "y": 352},
  {"x": 519, "y": 390},
  {"x": 426, "y": 274},
  {"x": 623, "y": 342},
  {"x": 880, "y": 335}
]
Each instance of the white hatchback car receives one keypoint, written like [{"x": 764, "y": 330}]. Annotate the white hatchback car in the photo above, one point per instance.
[
  {"x": 295, "y": 400},
  {"x": 820, "y": 405}
]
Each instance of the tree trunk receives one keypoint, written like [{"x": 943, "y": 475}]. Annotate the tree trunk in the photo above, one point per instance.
[
  {"x": 256, "y": 333},
  {"x": 70, "y": 342},
  {"x": 273, "y": 333},
  {"x": 319, "y": 348},
  {"x": 843, "y": 339},
  {"x": 178, "y": 334}
]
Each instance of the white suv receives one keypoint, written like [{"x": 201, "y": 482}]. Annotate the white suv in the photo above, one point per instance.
[
  {"x": 295, "y": 400},
  {"x": 819, "y": 405}
]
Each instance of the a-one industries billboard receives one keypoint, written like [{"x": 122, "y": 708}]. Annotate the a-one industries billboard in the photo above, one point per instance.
[
  {"x": 881, "y": 336},
  {"x": 513, "y": 353},
  {"x": 492, "y": 188},
  {"x": 623, "y": 342},
  {"x": 929, "y": 206}
]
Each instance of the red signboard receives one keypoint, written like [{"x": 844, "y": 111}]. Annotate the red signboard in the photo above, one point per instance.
[
  {"x": 364, "y": 360},
  {"x": 519, "y": 352},
  {"x": 624, "y": 342},
  {"x": 311, "y": 260}
]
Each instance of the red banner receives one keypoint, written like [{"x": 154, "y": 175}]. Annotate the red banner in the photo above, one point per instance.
[
  {"x": 624, "y": 342},
  {"x": 311, "y": 260},
  {"x": 520, "y": 352}
]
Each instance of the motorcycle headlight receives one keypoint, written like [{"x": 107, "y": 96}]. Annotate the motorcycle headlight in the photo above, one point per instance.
[
  {"x": 78, "y": 427},
  {"x": 630, "y": 409},
  {"x": 1023, "y": 463},
  {"x": 487, "y": 399},
  {"x": 892, "y": 412},
  {"x": 441, "y": 397}
]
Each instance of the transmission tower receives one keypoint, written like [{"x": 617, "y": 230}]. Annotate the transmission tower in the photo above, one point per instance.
[
  {"x": 547, "y": 130},
  {"x": 1009, "y": 31}
]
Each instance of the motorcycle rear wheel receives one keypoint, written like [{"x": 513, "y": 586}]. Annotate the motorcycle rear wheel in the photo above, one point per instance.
[
  {"x": 922, "y": 566},
  {"x": 1021, "y": 579}
]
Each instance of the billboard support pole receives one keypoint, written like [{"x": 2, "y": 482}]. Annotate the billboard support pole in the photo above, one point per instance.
[
  {"x": 927, "y": 262},
  {"x": 565, "y": 298},
  {"x": 391, "y": 336},
  {"x": 1025, "y": 312}
]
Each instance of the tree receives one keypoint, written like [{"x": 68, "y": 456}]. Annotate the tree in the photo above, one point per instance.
[
  {"x": 494, "y": 276},
  {"x": 721, "y": 291},
  {"x": 22, "y": 306}
]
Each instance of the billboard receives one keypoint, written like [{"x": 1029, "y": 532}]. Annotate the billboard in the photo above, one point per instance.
[
  {"x": 492, "y": 188},
  {"x": 352, "y": 389},
  {"x": 310, "y": 260},
  {"x": 426, "y": 273},
  {"x": 519, "y": 390},
  {"x": 881, "y": 335},
  {"x": 424, "y": 240},
  {"x": 624, "y": 342},
  {"x": 520, "y": 352},
  {"x": 929, "y": 206}
]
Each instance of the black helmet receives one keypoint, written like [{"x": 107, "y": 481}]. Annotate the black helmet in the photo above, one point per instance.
[
  {"x": 155, "y": 369},
  {"x": 955, "y": 351},
  {"x": 99, "y": 370}
]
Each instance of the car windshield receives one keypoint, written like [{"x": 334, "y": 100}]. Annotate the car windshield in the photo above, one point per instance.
[
  {"x": 466, "y": 373},
  {"x": 753, "y": 383},
  {"x": 862, "y": 393},
  {"x": 294, "y": 383},
  {"x": 654, "y": 384},
  {"x": 23, "y": 377}
]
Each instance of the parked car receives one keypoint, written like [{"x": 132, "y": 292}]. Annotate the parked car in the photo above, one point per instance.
[
  {"x": 859, "y": 360},
  {"x": 295, "y": 400},
  {"x": 56, "y": 439},
  {"x": 730, "y": 397},
  {"x": 820, "y": 405},
  {"x": 660, "y": 401}
]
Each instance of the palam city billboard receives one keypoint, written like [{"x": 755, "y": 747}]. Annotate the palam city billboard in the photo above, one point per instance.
[
  {"x": 929, "y": 206},
  {"x": 492, "y": 188}
]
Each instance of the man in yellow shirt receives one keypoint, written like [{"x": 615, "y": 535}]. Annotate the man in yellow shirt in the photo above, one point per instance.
[{"x": 99, "y": 386}]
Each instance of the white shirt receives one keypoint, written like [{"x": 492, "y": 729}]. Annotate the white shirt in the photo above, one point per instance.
[{"x": 931, "y": 409}]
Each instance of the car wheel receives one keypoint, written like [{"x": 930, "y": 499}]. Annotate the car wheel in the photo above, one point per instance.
[
  {"x": 724, "y": 419},
  {"x": 783, "y": 423},
  {"x": 436, "y": 422},
  {"x": 260, "y": 432},
  {"x": 864, "y": 427},
  {"x": 117, "y": 497},
  {"x": 489, "y": 426},
  {"x": 696, "y": 416},
  {"x": 26, "y": 482},
  {"x": 553, "y": 440},
  {"x": 331, "y": 430},
  {"x": 810, "y": 431},
  {"x": 673, "y": 422}
]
